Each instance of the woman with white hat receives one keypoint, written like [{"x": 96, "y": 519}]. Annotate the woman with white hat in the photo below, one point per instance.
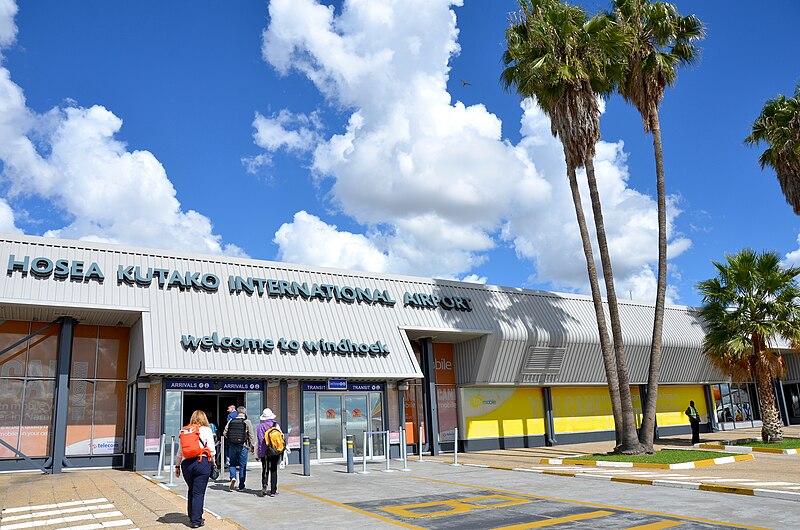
[{"x": 269, "y": 462}]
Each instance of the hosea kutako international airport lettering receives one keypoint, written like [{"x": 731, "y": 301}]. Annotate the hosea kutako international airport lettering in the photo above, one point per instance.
[{"x": 283, "y": 288}]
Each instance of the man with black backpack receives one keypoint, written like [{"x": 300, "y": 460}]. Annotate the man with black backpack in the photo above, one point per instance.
[{"x": 241, "y": 438}]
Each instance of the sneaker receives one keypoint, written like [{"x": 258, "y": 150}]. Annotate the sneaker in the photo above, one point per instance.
[
  {"x": 264, "y": 491},
  {"x": 233, "y": 484},
  {"x": 271, "y": 494}
]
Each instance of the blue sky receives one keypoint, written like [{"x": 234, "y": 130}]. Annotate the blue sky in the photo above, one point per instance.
[{"x": 373, "y": 135}]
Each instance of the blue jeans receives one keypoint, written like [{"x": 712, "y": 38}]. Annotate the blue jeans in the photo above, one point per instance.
[
  {"x": 196, "y": 472},
  {"x": 238, "y": 456}
]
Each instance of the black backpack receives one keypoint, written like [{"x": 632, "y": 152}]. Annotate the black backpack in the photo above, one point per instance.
[{"x": 237, "y": 431}]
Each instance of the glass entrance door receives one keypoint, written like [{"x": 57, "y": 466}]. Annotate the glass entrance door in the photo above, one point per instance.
[
  {"x": 340, "y": 414},
  {"x": 357, "y": 415},
  {"x": 329, "y": 418}
]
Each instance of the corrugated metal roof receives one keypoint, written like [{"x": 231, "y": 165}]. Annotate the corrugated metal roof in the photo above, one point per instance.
[{"x": 511, "y": 320}]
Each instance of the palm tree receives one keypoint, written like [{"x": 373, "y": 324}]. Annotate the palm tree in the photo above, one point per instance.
[
  {"x": 660, "y": 40},
  {"x": 751, "y": 303},
  {"x": 778, "y": 126},
  {"x": 564, "y": 60}
]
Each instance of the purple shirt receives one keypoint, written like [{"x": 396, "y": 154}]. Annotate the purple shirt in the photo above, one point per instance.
[{"x": 261, "y": 430}]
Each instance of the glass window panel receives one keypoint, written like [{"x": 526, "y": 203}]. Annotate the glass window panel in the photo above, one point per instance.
[
  {"x": 310, "y": 417},
  {"x": 448, "y": 416},
  {"x": 84, "y": 352},
  {"x": 10, "y": 408},
  {"x": 330, "y": 426},
  {"x": 79, "y": 418},
  {"x": 172, "y": 417},
  {"x": 43, "y": 351},
  {"x": 12, "y": 363},
  {"x": 274, "y": 396},
  {"x": 376, "y": 423},
  {"x": 109, "y": 417},
  {"x": 292, "y": 423},
  {"x": 37, "y": 418},
  {"x": 112, "y": 353}
]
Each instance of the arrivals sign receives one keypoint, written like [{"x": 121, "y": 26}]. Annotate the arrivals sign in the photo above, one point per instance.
[{"x": 208, "y": 385}]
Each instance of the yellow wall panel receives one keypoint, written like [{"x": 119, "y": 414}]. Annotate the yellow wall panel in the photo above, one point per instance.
[
  {"x": 673, "y": 401},
  {"x": 502, "y": 412},
  {"x": 584, "y": 409}
]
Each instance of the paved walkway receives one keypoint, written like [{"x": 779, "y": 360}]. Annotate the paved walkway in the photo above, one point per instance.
[
  {"x": 95, "y": 499},
  {"x": 90, "y": 499},
  {"x": 765, "y": 471}
]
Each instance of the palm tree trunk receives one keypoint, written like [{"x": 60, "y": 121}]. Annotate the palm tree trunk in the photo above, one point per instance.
[
  {"x": 647, "y": 430},
  {"x": 771, "y": 424},
  {"x": 630, "y": 440},
  {"x": 602, "y": 328}
]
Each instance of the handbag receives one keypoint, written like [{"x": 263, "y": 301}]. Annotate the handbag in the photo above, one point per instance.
[{"x": 214, "y": 470}]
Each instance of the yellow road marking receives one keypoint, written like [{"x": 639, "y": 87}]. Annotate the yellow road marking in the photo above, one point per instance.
[
  {"x": 656, "y": 526},
  {"x": 453, "y": 506},
  {"x": 584, "y": 503},
  {"x": 557, "y": 520},
  {"x": 354, "y": 509}
]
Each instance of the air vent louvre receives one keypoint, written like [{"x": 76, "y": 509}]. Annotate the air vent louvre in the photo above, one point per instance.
[{"x": 543, "y": 360}]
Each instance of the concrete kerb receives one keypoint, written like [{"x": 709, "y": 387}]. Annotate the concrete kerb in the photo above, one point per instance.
[
  {"x": 745, "y": 448},
  {"x": 698, "y": 486},
  {"x": 683, "y": 465}
]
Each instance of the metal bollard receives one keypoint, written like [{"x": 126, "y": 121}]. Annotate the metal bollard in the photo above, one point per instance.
[
  {"x": 222, "y": 451},
  {"x": 404, "y": 450},
  {"x": 364, "y": 456},
  {"x": 350, "y": 443},
  {"x": 306, "y": 457},
  {"x": 386, "y": 451},
  {"x": 419, "y": 443},
  {"x": 171, "y": 462},
  {"x": 455, "y": 447},
  {"x": 162, "y": 446}
]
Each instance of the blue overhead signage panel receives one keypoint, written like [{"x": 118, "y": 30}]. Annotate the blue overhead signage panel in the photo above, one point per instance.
[
  {"x": 365, "y": 387},
  {"x": 314, "y": 387},
  {"x": 207, "y": 385},
  {"x": 337, "y": 384}
]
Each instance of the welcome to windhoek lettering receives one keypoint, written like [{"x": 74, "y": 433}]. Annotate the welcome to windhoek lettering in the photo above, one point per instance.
[{"x": 344, "y": 347}]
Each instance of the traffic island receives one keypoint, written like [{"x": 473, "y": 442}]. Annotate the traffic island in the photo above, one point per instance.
[
  {"x": 788, "y": 446},
  {"x": 664, "y": 459}
]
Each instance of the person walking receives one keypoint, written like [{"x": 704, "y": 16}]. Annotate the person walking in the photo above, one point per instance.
[
  {"x": 241, "y": 439},
  {"x": 269, "y": 460},
  {"x": 694, "y": 421},
  {"x": 196, "y": 438},
  {"x": 231, "y": 414}
]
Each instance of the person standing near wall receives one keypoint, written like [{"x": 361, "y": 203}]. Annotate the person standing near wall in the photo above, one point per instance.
[
  {"x": 196, "y": 438},
  {"x": 694, "y": 421},
  {"x": 241, "y": 438}
]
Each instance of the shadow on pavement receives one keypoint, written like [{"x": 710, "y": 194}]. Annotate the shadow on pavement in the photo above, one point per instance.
[{"x": 174, "y": 518}]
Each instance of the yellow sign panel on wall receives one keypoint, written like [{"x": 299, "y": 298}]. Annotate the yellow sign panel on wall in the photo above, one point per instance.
[
  {"x": 583, "y": 409},
  {"x": 673, "y": 401},
  {"x": 502, "y": 412}
]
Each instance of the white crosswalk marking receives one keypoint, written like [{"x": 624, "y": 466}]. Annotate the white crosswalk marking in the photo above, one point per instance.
[
  {"x": 56, "y": 512},
  {"x": 49, "y": 506},
  {"x": 92, "y": 514},
  {"x": 770, "y": 483}
]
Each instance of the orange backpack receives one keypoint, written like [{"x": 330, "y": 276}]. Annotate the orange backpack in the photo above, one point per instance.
[{"x": 191, "y": 447}]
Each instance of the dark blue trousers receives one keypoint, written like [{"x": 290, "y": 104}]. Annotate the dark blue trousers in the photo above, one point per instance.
[{"x": 196, "y": 472}]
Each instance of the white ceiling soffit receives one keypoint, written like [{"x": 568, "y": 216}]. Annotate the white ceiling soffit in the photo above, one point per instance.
[{"x": 449, "y": 336}]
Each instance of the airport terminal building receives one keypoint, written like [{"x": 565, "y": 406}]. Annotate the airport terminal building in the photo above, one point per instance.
[{"x": 103, "y": 348}]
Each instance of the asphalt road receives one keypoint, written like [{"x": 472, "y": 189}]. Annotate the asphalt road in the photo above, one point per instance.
[{"x": 439, "y": 496}]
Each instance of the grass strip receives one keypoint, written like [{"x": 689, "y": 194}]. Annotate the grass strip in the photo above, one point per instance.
[
  {"x": 786, "y": 443},
  {"x": 665, "y": 456}
]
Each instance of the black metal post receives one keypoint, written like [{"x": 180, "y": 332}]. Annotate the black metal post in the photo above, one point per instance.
[
  {"x": 350, "y": 441},
  {"x": 306, "y": 456},
  {"x": 429, "y": 386},
  {"x": 549, "y": 425},
  {"x": 62, "y": 394}
]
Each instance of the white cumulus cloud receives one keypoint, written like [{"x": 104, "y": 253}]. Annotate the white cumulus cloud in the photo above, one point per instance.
[
  {"x": 433, "y": 181},
  {"x": 70, "y": 158}
]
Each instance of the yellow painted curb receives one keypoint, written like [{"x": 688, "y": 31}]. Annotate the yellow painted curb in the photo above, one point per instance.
[
  {"x": 727, "y": 489},
  {"x": 631, "y": 480}
]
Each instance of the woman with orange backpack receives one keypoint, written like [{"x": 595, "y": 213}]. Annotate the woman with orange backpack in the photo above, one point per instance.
[{"x": 195, "y": 461}]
